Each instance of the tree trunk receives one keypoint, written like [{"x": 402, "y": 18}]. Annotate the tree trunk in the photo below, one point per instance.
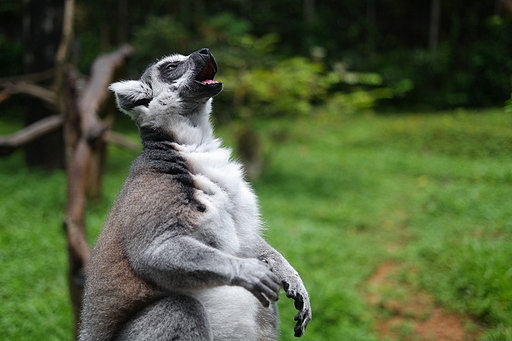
[
  {"x": 123, "y": 19},
  {"x": 308, "y": 11},
  {"x": 507, "y": 4},
  {"x": 371, "y": 25},
  {"x": 433, "y": 39},
  {"x": 42, "y": 25}
]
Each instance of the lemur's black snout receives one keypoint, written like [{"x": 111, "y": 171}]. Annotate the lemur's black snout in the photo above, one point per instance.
[
  {"x": 208, "y": 68},
  {"x": 204, "y": 54}
]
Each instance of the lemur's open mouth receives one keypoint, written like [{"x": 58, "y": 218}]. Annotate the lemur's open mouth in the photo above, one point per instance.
[{"x": 206, "y": 76}]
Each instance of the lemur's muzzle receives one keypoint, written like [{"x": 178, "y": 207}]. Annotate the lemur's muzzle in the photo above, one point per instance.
[
  {"x": 207, "y": 68},
  {"x": 210, "y": 69}
]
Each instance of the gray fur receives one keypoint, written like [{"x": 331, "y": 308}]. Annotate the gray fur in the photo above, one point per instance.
[{"x": 181, "y": 254}]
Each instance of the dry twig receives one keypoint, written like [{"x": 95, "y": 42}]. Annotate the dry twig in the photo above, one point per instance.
[
  {"x": 24, "y": 87},
  {"x": 44, "y": 126}
]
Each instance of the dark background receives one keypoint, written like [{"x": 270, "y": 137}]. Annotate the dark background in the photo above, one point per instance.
[{"x": 433, "y": 54}]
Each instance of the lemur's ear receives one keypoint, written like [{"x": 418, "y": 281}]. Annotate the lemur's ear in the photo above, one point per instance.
[{"x": 130, "y": 94}]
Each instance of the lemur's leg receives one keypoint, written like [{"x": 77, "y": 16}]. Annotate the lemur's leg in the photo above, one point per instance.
[{"x": 178, "y": 317}]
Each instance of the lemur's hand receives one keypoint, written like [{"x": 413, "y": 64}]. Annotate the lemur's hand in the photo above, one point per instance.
[
  {"x": 255, "y": 276},
  {"x": 295, "y": 289}
]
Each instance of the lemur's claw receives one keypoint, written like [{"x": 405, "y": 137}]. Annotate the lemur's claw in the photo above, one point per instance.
[{"x": 302, "y": 305}]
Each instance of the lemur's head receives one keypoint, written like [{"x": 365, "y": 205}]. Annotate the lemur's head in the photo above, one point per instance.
[{"x": 174, "y": 85}]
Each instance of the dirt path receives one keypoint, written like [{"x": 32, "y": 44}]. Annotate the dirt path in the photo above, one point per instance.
[{"x": 411, "y": 315}]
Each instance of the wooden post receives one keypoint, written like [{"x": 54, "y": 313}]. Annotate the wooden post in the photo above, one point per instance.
[
  {"x": 85, "y": 136},
  {"x": 85, "y": 167}
]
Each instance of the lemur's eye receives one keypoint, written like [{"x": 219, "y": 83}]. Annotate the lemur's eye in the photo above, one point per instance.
[{"x": 170, "y": 70}]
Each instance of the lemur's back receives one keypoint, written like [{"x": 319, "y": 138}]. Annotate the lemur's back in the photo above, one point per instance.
[{"x": 114, "y": 292}]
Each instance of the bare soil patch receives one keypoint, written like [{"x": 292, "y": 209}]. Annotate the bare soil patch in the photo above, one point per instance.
[{"x": 411, "y": 315}]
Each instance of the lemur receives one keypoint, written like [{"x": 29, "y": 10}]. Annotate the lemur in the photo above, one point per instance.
[{"x": 181, "y": 255}]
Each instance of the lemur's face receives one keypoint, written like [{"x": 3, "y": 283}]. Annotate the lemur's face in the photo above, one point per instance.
[
  {"x": 190, "y": 76},
  {"x": 174, "y": 84}
]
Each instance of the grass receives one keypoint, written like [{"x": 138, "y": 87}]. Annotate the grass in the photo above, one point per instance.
[{"x": 341, "y": 196}]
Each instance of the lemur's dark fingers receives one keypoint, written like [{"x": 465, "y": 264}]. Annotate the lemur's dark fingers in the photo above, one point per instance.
[
  {"x": 272, "y": 290},
  {"x": 274, "y": 284},
  {"x": 299, "y": 302},
  {"x": 266, "y": 293},
  {"x": 263, "y": 300},
  {"x": 298, "y": 299},
  {"x": 304, "y": 315},
  {"x": 302, "y": 318},
  {"x": 298, "y": 330}
]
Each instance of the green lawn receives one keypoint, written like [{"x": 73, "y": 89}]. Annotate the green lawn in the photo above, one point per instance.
[{"x": 341, "y": 196}]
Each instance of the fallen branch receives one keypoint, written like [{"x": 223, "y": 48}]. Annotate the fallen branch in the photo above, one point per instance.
[
  {"x": 10, "y": 143},
  {"x": 75, "y": 211},
  {"x": 74, "y": 225},
  {"x": 31, "y": 89},
  {"x": 44, "y": 126},
  {"x": 96, "y": 90},
  {"x": 85, "y": 137}
]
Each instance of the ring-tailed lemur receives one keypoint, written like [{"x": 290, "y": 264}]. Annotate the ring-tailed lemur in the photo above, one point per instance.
[{"x": 181, "y": 256}]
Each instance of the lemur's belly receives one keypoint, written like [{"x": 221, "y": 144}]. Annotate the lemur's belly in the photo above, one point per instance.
[{"x": 235, "y": 314}]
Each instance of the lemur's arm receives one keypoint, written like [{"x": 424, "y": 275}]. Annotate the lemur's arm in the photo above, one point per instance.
[
  {"x": 176, "y": 262},
  {"x": 291, "y": 281}
]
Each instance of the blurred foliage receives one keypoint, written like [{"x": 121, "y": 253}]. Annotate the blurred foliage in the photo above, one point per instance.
[
  {"x": 257, "y": 80},
  {"x": 287, "y": 86},
  {"x": 466, "y": 71},
  {"x": 157, "y": 38},
  {"x": 292, "y": 86},
  {"x": 508, "y": 105},
  {"x": 469, "y": 66}
]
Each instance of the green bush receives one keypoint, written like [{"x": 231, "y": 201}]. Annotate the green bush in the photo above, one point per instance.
[
  {"x": 259, "y": 82},
  {"x": 295, "y": 86},
  {"x": 476, "y": 73},
  {"x": 158, "y": 37},
  {"x": 289, "y": 86},
  {"x": 508, "y": 105}
]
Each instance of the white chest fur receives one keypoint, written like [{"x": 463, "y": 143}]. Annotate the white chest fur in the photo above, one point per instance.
[{"x": 231, "y": 218}]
